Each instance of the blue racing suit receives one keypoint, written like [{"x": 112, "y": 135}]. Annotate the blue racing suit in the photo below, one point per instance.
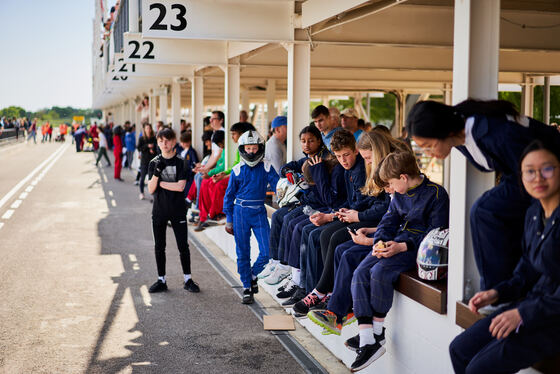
[{"x": 244, "y": 207}]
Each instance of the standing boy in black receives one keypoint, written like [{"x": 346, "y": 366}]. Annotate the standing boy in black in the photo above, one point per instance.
[{"x": 167, "y": 178}]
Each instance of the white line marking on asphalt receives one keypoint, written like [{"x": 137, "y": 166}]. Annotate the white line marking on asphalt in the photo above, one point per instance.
[
  {"x": 146, "y": 296},
  {"x": 1, "y": 224},
  {"x": 8, "y": 214},
  {"x": 113, "y": 202},
  {"x": 111, "y": 193},
  {"x": 18, "y": 186},
  {"x": 23, "y": 195},
  {"x": 104, "y": 178},
  {"x": 29, "y": 189},
  {"x": 132, "y": 258},
  {"x": 16, "y": 204}
]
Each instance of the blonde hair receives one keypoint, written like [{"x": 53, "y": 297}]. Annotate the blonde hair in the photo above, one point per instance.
[{"x": 380, "y": 145}]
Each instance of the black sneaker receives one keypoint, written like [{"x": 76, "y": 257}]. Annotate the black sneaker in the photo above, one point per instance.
[
  {"x": 159, "y": 286},
  {"x": 322, "y": 305},
  {"x": 201, "y": 226},
  {"x": 354, "y": 342},
  {"x": 301, "y": 308},
  {"x": 287, "y": 292},
  {"x": 255, "y": 285},
  {"x": 366, "y": 355},
  {"x": 297, "y": 296},
  {"x": 194, "y": 218},
  {"x": 191, "y": 286},
  {"x": 248, "y": 296}
]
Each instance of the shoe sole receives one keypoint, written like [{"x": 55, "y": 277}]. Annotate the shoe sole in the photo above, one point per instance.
[
  {"x": 355, "y": 349},
  {"x": 321, "y": 323},
  {"x": 371, "y": 360},
  {"x": 349, "y": 321},
  {"x": 247, "y": 302}
]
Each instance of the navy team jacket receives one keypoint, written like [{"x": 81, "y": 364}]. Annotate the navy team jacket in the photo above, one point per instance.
[
  {"x": 502, "y": 141},
  {"x": 537, "y": 275},
  {"x": 412, "y": 215},
  {"x": 370, "y": 208}
]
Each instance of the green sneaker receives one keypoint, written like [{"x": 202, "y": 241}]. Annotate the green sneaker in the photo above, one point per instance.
[{"x": 327, "y": 320}]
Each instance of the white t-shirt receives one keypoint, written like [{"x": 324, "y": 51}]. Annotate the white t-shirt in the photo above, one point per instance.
[{"x": 102, "y": 140}]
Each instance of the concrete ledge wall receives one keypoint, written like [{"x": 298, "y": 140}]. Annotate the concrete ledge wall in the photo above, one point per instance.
[{"x": 417, "y": 338}]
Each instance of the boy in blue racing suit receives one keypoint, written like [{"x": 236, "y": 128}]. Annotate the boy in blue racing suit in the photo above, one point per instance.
[{"x": 244, "y": 209}]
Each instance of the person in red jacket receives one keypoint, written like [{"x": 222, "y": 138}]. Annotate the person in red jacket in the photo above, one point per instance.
[
  {"x": 117, "y": 151},
  {"x": 95, "y": 135}
]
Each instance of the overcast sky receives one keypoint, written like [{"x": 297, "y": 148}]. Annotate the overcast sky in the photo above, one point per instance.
[{"x": 45, "y": 53}]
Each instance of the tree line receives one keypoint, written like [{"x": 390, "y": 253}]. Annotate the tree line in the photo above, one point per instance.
[{"x": 54, "y": 113}]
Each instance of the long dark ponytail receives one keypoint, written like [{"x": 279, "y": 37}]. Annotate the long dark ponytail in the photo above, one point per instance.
[{"x": 432, "y": 119}]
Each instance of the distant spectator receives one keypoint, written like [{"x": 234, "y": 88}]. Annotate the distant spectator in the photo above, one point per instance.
[
  {"x": 130, "y": 144},
  {"x": 275, "y": 150},
  {"x": 243, "y": 116},
  {"x": 102, "y": 151},
  {"x": 117, "y": 152},
  {"x": 349, "y": 119}
]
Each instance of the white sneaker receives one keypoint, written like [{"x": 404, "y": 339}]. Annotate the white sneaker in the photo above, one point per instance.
[
  {"x": 279, "y": 273},
  {"x": 268, "y": 269},
  {"x": 141, "y": 196}
]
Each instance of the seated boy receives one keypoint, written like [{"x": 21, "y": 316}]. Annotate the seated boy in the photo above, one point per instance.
[
  {"x": 418, "y": 206},
  {"x": 244, "y": 208}
]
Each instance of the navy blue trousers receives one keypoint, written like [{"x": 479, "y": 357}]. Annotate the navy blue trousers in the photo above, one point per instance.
[
  {"x": 294, "y": 231},
  {"x": 276, "y": 226},
  {"x": 475, "y": 351},
  {"x": 246, "y": 219},
  {"x": 311, "y": 251},
  {"x": 497, "y": 220},
  {"x": 373, "y": 283},
  {"x": 334, "y": 234},
  {"x": 347, "y": 257},
  {"x": 285, "y": 235}
]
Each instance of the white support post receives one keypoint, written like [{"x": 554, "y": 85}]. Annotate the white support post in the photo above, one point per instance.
[
  {"x": 299, "y": 81},
  {"x": 122, "y": 113},
  {"x": 197, "y": 112},
  {"x": 475, "y": 74},
  {"x": 232, "y": 81},
  {"x": 270, "y": 96},
  {"x": 400, "y": 116},
  {"x": 153, "y": 110},
  {"x": 546, "y": 99},
  {"x": 133, "y": 16},
  {"x": 131, "y": 111},
  {"x": 447, "y": 99},
  {"x": 176, "y": 107},
  {"x": 527, "y": 97},
  {"x": 163, "y": 106},
  {"x": 368, "y": 108}
]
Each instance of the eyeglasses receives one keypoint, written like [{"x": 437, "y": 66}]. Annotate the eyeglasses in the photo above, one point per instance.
[{"x": 530, "y": 175}]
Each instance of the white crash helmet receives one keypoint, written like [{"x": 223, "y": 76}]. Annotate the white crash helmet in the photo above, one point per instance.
[
  {"x": 287, "y": 193},
  {"x": 251, "y": 137},
  {"x": 432, "y": 257}
]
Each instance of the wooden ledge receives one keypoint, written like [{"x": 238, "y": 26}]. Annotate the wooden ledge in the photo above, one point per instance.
[
  {"x": 432, "y": 295},
  {"x": 464, "y": 317}
]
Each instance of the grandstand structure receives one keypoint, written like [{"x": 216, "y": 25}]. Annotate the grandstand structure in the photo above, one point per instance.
[{"x": 191, "y": 56}]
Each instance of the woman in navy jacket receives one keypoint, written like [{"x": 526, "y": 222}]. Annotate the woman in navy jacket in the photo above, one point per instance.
[
  {"x": 527, "y": 330},
  {"x": 492, "y": 135}
]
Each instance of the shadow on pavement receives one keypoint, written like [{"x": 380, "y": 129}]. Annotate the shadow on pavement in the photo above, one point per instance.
[{"x": 176, "y": 331}]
